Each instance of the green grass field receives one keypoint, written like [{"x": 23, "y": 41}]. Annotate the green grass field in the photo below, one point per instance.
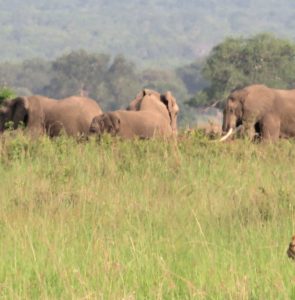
[{"x": 194, "y": 219}]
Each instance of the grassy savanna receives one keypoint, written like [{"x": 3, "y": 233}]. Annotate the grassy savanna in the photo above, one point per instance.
[{"x": 116, "y": 219}]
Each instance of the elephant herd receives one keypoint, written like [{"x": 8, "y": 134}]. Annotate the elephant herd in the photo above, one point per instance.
[
  {"x": 255, "y": 111},
  {"x": 149, "y": 114}
]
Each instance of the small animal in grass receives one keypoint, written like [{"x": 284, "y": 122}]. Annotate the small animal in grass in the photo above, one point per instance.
[{"x": 291, "y": 249}]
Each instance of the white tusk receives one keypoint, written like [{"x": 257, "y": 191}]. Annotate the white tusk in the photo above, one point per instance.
[{"x": 227, "y": 135}]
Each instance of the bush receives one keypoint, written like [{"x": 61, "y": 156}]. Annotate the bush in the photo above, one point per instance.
[{"x": 6, "y": 93}]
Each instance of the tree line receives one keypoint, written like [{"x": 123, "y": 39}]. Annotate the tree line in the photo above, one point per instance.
[
  {"x": 166, "y": 32},
  {"x": 114, "y": 81}
]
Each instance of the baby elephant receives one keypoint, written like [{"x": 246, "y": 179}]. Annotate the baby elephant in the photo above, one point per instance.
[
  {"x": 131, "y": 124},
  {"x": 105, "y": 123}
]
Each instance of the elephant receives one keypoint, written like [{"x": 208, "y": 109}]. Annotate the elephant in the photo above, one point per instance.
[
  {"x": 40, "y": 114},
  {"x": 167, "y": 99},
  {"x": 257, "y": 110},
  {"x": 148, "y": 115}
]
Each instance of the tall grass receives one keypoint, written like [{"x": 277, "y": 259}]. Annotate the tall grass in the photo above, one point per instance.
[{"x": 146, "y": 219}]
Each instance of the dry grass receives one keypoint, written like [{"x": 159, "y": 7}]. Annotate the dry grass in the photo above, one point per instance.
[{"x": 146, "y": 219}]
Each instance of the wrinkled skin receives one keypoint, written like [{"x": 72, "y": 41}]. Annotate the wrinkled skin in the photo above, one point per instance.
[
  {"x": 40, "y": 114},
  {"x": 269, "y": 113},
  {"x": 147, "y": 116}
]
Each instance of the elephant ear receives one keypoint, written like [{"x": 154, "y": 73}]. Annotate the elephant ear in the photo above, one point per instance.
[
  {"x": 17, "y": 111},
  {"x": 115, "y": 123},
  {"x": 169, "y": 101},
  {"x": 101, "y": 123},
  {"x": 27, "y": 110},
  {"x": 36, "y": 116},
  {"x": 96, "y": 125}
]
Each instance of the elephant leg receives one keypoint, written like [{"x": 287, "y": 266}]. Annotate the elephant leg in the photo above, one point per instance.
[
  {"x": 270, "y": 127},
  {"x": 248, "y": 130}
]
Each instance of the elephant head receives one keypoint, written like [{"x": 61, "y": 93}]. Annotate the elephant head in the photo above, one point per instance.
[
  {"x": 14, "y": 111},
  {"x": 22, "y": 110},
  {"x": 105, "y": 123},
  {"x": 245, "y": 109},
  {"x": 233, "y": 111}
]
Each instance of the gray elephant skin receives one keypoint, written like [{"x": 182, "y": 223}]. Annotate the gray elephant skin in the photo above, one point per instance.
[
  {"x": 40, "y": 114},
  {"x": 149, "y": 115},
  {"x": 260, "y": 110}
]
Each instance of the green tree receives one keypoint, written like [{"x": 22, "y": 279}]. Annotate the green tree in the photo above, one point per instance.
[
  {"x": 122, "y": 82},
  {"x": 77, "y": 73},
  {"x": 6, "y": 93},
  {"x": 112, "y": 82},
  {"x": 27, "y": 77},
  {"x": 33, "y": 75},
  {"x": 242, "y": 61},
  {"x": 191, "y": 75}
]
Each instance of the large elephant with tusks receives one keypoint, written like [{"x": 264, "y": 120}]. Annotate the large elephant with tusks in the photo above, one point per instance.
[{"x": 260, "y": 110}]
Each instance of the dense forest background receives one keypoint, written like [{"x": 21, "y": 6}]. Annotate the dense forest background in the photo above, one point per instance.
[
  {"x": 109, "y": 50},
  {"x": 152, "y": 32}
]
